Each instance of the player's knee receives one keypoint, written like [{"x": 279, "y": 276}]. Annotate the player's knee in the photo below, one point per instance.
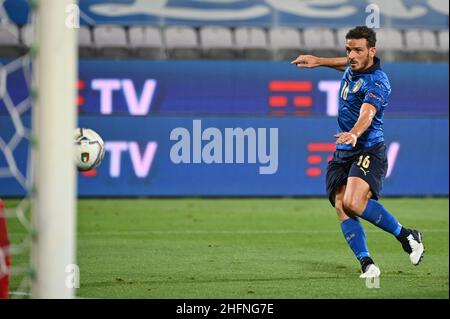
[{"x": 353, "y": 206}]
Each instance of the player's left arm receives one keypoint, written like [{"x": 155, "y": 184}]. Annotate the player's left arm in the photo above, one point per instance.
[{"x": 366, "y": 115}]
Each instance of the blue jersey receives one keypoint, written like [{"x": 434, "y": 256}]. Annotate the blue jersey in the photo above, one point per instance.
[{"x": 371, "y": 86}]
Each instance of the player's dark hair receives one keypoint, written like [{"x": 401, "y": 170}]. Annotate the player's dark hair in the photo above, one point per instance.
[{"x": 363, "y": 32}]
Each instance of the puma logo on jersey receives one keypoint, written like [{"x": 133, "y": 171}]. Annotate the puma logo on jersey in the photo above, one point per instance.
[{"x": 364, "y": 171}]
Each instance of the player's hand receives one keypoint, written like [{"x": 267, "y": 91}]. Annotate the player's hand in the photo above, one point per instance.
[
  {"x": 346, "y": 138},
  {"x": 306, "y": 61}
]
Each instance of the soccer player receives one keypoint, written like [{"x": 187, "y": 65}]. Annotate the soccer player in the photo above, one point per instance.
[{"x": 356, "y": 173}]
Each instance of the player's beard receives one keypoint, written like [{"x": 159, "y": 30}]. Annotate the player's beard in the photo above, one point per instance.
[{"x": 363, "y": 64}]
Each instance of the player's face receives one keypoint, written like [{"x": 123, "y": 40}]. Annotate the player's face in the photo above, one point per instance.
[{"x": 359, "y": 56}]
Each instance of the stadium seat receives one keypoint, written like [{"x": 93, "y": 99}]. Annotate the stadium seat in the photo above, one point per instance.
[
  {"x": 181, "y": 42},
  {"x": 443, "y": 40},
  {"x": 10, "y": 45},
  {"x": 251, "y": 43},
  {"x": 111, "y": 41},
  {"x": 390, "y": 45},
  {"x": 321, "y": 41},
  {"x": 147, "y": 42},
  {"x": 340, "y": 37},
  {"x": 216, "y": 42},
  {"x": 420, "y": 45},
  {"x": 285, "y": 42},
  {"x": 418, "y": 39},
  {"x": 85, "y": 45}
]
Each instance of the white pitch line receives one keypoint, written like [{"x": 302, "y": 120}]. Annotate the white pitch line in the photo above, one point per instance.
[
  {"x": 18, "y": 293},
  {"x": 241, "y": 232}
]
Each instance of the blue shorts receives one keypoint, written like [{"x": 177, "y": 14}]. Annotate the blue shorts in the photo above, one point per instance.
[{"x": 370, "y": 164}]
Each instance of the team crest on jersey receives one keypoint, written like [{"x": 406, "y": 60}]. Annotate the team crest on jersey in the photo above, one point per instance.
[{"x": 357, "y": 86}]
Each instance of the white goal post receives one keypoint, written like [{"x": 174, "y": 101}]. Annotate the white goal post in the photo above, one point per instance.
[{"x": 54, "y": 121}]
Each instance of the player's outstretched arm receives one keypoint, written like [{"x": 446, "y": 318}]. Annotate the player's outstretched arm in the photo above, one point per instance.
[
  {"x": 311, "y": 61},
  {"x": 366, "y": 116}
]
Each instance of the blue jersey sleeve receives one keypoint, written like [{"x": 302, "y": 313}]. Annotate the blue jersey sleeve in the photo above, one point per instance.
[{"x": 376, "y": 94}]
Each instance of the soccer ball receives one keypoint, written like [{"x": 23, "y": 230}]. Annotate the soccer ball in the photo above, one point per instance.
[{"x": 90, "y": 149}]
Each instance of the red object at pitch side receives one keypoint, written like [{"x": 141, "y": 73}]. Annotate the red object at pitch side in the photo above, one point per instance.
[{"x": 5, "y": 258}]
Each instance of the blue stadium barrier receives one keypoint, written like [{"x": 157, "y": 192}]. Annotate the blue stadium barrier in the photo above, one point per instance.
[
  {"x": 143, "y": 160},
  {"x": 136, "y": 87}
]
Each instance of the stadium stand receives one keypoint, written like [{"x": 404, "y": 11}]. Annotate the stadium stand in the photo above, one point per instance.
[
  {"x": 147, "y": 42},
  {"x": 443, "y": 41},
  {"x": 390, "y": 44},
  {"x": 222, "y": 42},
  {"x": 217, "y": 42},
  {"x": 421, "y": 43},
  {"x": 111, "y": 41},
  {"x": 320, "y": 41},
  {"x": 85, "y": 42},
  {"x": 182, "y": 42},
  {"x": 285, "y": 42},
  {"x": 340, "y": 36},
  {"x": 252, "y": 43}
]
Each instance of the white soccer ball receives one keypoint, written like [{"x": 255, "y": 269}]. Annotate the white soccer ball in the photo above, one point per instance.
[{"x": 90, "y": 149}]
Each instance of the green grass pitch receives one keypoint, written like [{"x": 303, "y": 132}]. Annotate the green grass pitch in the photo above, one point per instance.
[{"x": 248, "y": 248}]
